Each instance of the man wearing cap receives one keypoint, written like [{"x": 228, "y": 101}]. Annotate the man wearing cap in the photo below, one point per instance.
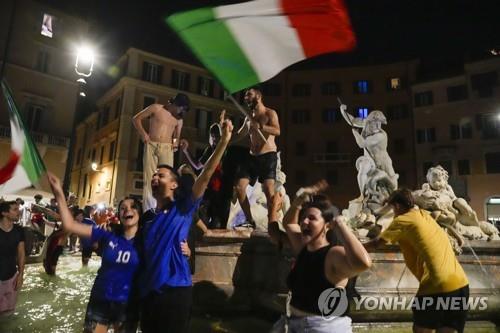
[{"x": 165, "y": 125}]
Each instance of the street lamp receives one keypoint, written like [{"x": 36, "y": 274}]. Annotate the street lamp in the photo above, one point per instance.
[
  {"x": 84, "y": 65},
  {"x": 84, "y": 62}
]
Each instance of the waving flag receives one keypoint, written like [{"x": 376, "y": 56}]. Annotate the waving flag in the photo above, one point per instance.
[
  {"x": 24, "y": 167},
  {"x": 244, "y": 44}
]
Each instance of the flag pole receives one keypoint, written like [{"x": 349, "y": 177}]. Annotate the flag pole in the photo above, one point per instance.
[{"x": 245, "y": 113}]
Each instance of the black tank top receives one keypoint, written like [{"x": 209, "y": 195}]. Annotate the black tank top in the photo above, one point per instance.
[{"x": 307, "y": 279}]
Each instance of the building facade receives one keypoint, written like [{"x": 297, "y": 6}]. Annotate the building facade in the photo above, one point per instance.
[
  {"x": 108, "y": 138},
  {"x": 40, "y": 71},
  {"x": 316, "y": 142},
  {"x": 457, "y": 123}
]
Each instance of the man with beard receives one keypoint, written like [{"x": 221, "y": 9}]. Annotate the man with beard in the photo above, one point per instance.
[
  {"x": 165, "y": 125},
  {"x": 165, "y": 284},
  {"x": 263, "y": 159}
]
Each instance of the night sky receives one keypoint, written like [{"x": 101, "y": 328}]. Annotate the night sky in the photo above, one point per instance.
[{"x": 443, "y": 34}]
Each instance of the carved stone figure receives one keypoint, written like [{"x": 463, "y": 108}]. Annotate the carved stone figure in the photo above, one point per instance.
[
  {"x": 376, "y": 176},
  {"x": 451, "y": 212}
]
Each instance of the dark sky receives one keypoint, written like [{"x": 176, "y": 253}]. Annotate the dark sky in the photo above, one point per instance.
[{"x": 441, "y": 33}]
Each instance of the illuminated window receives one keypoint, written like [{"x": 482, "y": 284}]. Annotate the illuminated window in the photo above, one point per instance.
[
  {"x": 47, "y": 25},
  {"x": 394, "y": 83},
  {"x": 362, "y": 112},
  {"x": 362, "y": 87}
]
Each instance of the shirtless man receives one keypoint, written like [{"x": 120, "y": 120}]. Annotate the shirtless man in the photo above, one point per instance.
[
  {"x": 165, "y": 125},
  {"x": 263, "y": 156}
]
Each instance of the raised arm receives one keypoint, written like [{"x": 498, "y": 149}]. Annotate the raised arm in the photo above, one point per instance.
[
  {"x": 184, "y": 145},
  {"x": 201, "y": 182},
  {"x": 351, "y": 258},
  {"x": 353, "y": 122},
  {"x": 137, "y": 121},
  {"x": 291, "y": 219},
  {"x": 68, "y": 222}
]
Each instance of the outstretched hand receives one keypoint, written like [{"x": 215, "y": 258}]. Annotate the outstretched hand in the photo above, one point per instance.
[
  {"x": 222, "y": 117},
  {"x": 55, "y": 184},
  {"x": 227, "y": 130}
]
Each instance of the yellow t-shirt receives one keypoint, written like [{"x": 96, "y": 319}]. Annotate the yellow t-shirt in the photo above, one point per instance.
[{"x": 427, "y": 252}]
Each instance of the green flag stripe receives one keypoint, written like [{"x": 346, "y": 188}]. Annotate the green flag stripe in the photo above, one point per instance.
[
  {"x": 208, "y": 37},
  {"x": 31, "y": 160}
]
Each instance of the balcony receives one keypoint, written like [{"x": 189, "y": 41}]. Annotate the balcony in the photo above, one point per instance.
[
  {"x": 39, "y": 138},
  {"x": 332, "y": 158}
]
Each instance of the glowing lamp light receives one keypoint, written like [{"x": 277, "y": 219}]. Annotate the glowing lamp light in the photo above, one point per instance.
[
  {"x": 84, "y": 57},
  {"x": 94, "y": 166}
]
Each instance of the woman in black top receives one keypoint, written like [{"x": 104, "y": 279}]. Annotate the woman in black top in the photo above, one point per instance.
[{"x": 318, "y": 299}]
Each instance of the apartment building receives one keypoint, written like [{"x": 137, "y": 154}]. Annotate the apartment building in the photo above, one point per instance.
[
  {"x": 40, "y": 71},
  {"x": 108, "y": 138},
  {"x": 457, "y": 123}
]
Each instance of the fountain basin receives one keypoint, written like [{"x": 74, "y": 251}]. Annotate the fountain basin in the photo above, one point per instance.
[{"x": 243, "y": 270}]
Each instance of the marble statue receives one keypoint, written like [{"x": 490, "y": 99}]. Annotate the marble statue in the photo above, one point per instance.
[
  {"x": 451, "y": 212},
  {"x": 376, "y": 176},
  {"x": 373, "y": 141}
]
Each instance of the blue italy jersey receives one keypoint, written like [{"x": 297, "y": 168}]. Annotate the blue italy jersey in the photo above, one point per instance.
[
  {"x": 164, "y": 263},
  {"x": 87, "y": 242},
  {"x": 119, "y": 265}
]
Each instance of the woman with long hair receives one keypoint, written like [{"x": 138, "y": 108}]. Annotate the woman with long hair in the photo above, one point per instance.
[
  {"x": 318, "y": 301},
  {"x": 110, "y": 300}
]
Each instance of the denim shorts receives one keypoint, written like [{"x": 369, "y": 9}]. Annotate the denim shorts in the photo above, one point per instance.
[{"x": 313, "y": 324}]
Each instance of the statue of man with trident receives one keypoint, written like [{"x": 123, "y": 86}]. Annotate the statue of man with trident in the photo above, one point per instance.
[{"x": 373, "y": 141}]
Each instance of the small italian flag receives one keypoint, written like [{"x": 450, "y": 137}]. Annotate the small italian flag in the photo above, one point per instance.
[
  {"x": 24, "y": 167},
  {"x": 247, "y": 43}
]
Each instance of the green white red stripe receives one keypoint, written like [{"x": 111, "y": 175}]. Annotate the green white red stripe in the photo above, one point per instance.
[
  {"x": 247, "y": 43},
  {"x": 24, "y": 167}
]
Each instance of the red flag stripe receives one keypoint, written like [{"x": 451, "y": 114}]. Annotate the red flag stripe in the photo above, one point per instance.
[
  {"x": 7, "y": 171},
  {"x": 324, "y": 31}
]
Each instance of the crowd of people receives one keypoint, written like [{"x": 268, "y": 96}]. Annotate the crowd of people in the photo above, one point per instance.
[{"x": 145, "y": 277}]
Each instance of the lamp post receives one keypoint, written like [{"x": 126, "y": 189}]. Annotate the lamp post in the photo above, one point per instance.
[{"x": 84, "y": 66}]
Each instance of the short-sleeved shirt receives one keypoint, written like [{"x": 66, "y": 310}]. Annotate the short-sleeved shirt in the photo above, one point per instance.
[
  {"x": 164, "y": 264},
  {"x": 120, "y": 262},
  {"x": 86, "y": 243},
  {"x": 427, "y": 252},
  {"x": 8, "y": 251}
]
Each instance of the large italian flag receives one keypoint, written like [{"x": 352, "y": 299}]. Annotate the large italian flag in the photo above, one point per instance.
[
  {"x": 24, "y": 167},
  {"x": 247, "y": 43}
]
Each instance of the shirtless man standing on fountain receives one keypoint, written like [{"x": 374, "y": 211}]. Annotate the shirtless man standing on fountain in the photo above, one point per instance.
[
  {"x": 165, "y": 125},
  {"x": 263, "y": 151}
]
